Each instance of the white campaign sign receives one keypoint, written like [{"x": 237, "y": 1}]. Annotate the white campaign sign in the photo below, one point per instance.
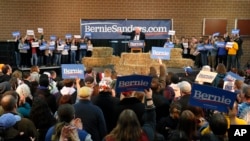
[{"x": 205, "y": 76}]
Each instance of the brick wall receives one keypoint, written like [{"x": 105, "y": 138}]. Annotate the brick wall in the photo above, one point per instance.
[{"x": 63, "y": 16}]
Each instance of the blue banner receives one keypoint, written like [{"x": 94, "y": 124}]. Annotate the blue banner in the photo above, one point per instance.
[
  {"x": 133, "y": 83},
  {"x": 213, "y": 98},
  {"x": 160, "y": 53},
  {"x": 72, "y": 71},
  {"x": 108, "y": 29}
]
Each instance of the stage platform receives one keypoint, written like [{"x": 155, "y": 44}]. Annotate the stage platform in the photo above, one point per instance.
[{"x": 41, "y": 68}]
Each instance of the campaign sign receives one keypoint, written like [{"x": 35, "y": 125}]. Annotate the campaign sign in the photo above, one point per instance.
[
  {"x": 220, "y": 44},
  {"x": 43, "y": 47},
  {"x": 216, "y": 34},
  {"x": 72, "y": 71},
  {"x": 30, "y": 32},
  {"x": 232, "y": 77},
  {"x": 235, "y": 31},
  {"x": 35, "y": 44},
  {"x": 200, "y": 47},
  {"x": 83, "y": 46},
  {"x": 68, "y": 36},
  {"x": 229, "y": 44},
  {"x": 185, "y": 45},
  {"x": 160, "y": 53},
  {"x": 26, "y": 46},
  {"x": 67, "y": 47},
  {"x": 133, "y": 83},
  {"x": 136, "y": 43},
  {"x": 171, "y": 32},
  {"x": 52, "y": 37},
  {"x": 77, "y": 36},
  {"x": 73, "y": 47},
  {"x": 40, "y": 30},
  {"x": 169, "y": 44},
  {"x": 60, "y": 47},
  {"x": 208, "y": 47},
  {"x": 88, "y": 35},
  {"x": 213, "y": 98},
  {"x": 16, "y": 34},
  {"x": 205, "y": 76}
]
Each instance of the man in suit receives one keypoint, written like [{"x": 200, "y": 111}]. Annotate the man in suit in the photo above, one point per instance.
[{"x": 136, "y": 34}]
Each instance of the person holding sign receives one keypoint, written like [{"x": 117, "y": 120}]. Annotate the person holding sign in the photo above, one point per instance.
[
  {"x": 23, "y": 51},
  {"x": 82, "y": 49},
  {"x": 73, "y": 49},
  {"x": 231, "y": 54}
]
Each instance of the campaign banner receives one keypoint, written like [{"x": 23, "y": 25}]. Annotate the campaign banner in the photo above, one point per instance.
[
  {"x": 133, "y": 83},
  {"x": 109, "y": 29},
  {"x": 72, "y": 71},
  {"x": 220, "y": 44},
  {"x": 235, "y": 31},
  {"x": 205, "y": 76},
  {"x": 15, "y": 34},
  {"x": 160, "y": 53},
  {"x": 213, "y": 98},
  {"x": 232, "y": 77}
]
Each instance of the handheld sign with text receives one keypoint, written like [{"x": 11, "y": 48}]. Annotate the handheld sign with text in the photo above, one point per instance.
[
  {"x": 26, "y": 46},
  {"x": 205, "y": 76},
  {"x": 68, "y": 36},
  {"x": 35, "y": 44},
  {"x": 77, "y": 36},
  {"x": 72, "y": 71},
  {"x": 229, "y": 44},
  {"x": 220, "y": 44},
  {"x": 88, "y": 35},
  {"x": 216, "y": 34},
  {"x": 208, "y": 47},
  {"x": 15, "y": 34},
  {"x": 235, "y": 31},
  {"x": 40, "y": 30},
  {"x": 133, "y": 83},
  {"x": 83, "y": 46},
  {"x": 136, "y": 43},
  {"x": 160, "y": 53},
  {"x": 168, "y": 45},
  {"x": 43, "y": 46},
  {"x": 232, "y": 77},
  {"x": 73, "y": 47},
  {"x": 200, "y": 47},
  {"x": 213, "y": 98},
  {"x": 30, "y": 32},
  {"x": 52, "y": 45},
  {"x": 171, "y": 32},
  {"x": 60, "y": 47},
  {"x": 185, "y": 45},
  {"x": 52, "y": 37}
]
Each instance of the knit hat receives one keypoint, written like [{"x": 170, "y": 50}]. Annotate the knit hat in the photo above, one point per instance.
[
  {"x": 85, "y": 92},
  {"x": 188, "y": 70},
  {"x": 206, "y": 68},
  {"x": 8, "y": 120},
  {"x": 4, "y": 86},
  {"x": 184, "y": 86}
]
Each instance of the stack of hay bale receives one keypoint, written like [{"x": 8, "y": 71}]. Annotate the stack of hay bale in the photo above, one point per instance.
[{"x": 133, "y": 63}]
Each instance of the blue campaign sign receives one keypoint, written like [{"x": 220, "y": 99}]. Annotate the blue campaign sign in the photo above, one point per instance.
[
  {"x": 208, "y": 47},
  {"x": 72, "y": 71},
  {"x": 136, "y": 43},
  {"x": 88, "y": 35},
  {"x": 133, "y": 83},
  {"x": 26, "y": 46},
  {"x": 200, "y": 47},
  {"x": 108, "y": 29},
  {"x": 220, "y": 44},
  {"x": 233, "y": 76},
  {"x": 43, "y": 47},
  {"x": 68, "y": 36},
  {"x": 216, "y": 34},
  {"x": 235, "y": 31},
  {"x": 83, "y": 46},
  {"x": 16, "y": 34},
  {"x": 52, "y": 37},
  {"x": 160, "y": 53},
  {"x": 213, "y": 98}
]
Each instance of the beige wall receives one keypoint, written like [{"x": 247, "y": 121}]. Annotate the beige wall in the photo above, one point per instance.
[{"x": 63, "y": 16}]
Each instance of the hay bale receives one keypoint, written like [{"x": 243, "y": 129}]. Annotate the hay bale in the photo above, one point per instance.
[
  {"x": 176, "y": 53},
  {"x": 115, "y": 60},
  {"x": 96, "y": 61},
  {"x": 102, "y": 52},
  {"x": 180, "y": 63}
]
